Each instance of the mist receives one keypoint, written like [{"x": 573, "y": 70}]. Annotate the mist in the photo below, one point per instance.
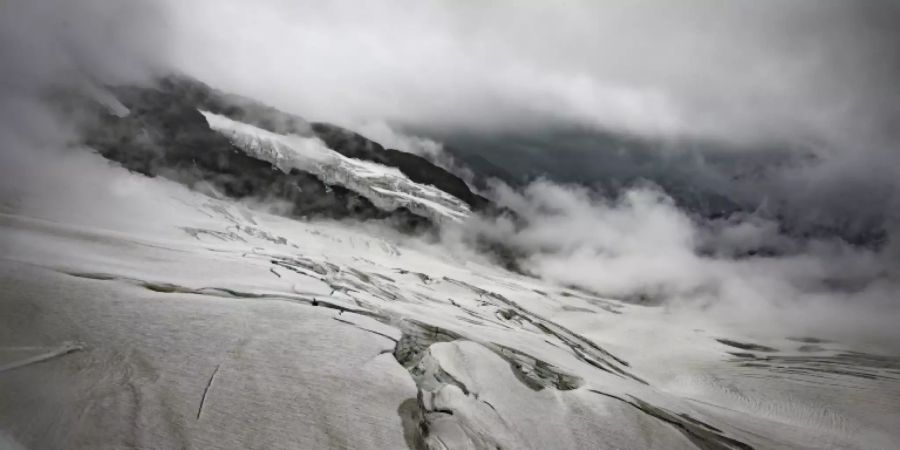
[
  {"x": 815, "y": 79},
  {"x": 739, "y": 71},
  {"x": 53, "y": 46},
  {"x": 741, "y": 271}
]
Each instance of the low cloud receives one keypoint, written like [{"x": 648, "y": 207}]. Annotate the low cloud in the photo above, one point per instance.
[
  {"x": 814, "y": 80},
  {"x": 429, "y": 149},
  {"x": 741, "y": 270},
  {"x": 53, "y": 46}
]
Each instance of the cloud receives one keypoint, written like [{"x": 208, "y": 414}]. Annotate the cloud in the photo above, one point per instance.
[
  {"x": 814, "y": 79},
  {"x": 74, "y": 42},
  {"x": 48, "y": 46},
  {"x": 740, "y": 71},
  {"x": 740, "y": 270},
  {"x": 384, "y": 134}
]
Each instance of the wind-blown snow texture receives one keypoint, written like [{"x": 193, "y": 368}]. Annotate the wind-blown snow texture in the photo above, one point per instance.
[{"x": 184, "y": 320}]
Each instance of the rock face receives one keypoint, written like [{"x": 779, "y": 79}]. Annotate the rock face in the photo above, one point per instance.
[
  {"x": 190, "y": 93},
  {"x": 164, "y": 134}
]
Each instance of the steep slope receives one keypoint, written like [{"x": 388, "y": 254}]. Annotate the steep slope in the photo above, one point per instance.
[
  {"x": 418, "y": 169},
  {"x": 184, "y": 130},
  {"x": 345, "y": 142},
  {"x": 386, "y": 187},
  {"x": 164, "y": 135}
]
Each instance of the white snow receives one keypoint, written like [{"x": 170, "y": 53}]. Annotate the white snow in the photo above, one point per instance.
[
  {"x": 201, "y": 324},
  {"x": 386, "y": 187}
]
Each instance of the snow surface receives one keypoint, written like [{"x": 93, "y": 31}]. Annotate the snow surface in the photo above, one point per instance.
[
  {"x": 155, "y": 317},
  {"x": 386, "y": 187}
]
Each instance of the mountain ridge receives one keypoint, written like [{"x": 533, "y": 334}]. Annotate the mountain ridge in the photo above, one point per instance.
[{"x": 163, "y": 131}]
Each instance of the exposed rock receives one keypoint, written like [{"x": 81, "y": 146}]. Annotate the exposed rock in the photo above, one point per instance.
[
  {"x": 343, "y": 141},
  {"x": 165, "y": 135}
]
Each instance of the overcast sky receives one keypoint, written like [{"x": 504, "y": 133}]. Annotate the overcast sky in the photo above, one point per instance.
[
  {"x": 809, "y": 71},
  {"x": 742, "y": 70}
]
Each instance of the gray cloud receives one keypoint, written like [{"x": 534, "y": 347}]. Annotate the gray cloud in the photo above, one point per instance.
[
  {"x": 812, "y": 71},
  {"x": 52, "y": 45},
  {"x": 741, "y": 271},
  {"x": 817, "y": 74},
  {"x": 72, "y": 42}
]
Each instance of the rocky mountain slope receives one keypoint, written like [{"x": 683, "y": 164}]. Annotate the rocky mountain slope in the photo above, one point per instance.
[{"x": 186, "y": 131}]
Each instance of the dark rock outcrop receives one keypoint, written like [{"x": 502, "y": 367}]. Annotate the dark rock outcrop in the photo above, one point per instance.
[
  {"x": 165, "y": 135},
  {"x": 343, "y": 141}
]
